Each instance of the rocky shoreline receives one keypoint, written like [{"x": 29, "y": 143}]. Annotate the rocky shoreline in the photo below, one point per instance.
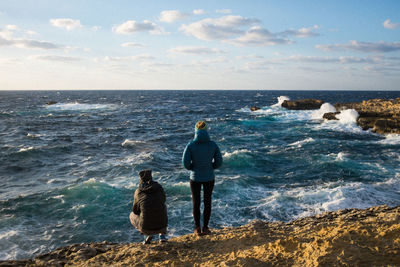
[
  {"x": 380, "y": 115},
  {"x": 350, "y": 237}
]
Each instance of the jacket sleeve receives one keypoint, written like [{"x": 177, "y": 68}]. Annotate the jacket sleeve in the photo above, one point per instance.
[
  {"x": 136, "y": 206},
  {"x": 217, "y": 158},
  {"x": 187, "y": 158},
  {"x": 163, "y": 196}
]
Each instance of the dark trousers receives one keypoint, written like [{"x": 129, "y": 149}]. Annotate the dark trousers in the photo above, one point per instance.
[{"x": 195, "y": 187}]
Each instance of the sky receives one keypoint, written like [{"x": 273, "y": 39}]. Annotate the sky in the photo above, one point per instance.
[{"x": 209, "y": 44}]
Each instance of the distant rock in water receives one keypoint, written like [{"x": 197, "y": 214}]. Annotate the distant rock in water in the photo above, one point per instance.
[
  {"x": 330, "y": 116},
  {"x": 51, "y": 103},
  {"x": 303, "y": 104},
  {"x": 254, "y": 108},
  {"x": 382, "y": 116}
]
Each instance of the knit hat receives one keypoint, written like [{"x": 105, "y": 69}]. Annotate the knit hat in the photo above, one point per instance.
[
  {"x": 145, "y": 176},
  {"x": 201, "y": 125}
]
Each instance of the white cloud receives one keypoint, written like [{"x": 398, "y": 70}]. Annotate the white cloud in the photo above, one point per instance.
[
  {"x": 257, "y": 36},
  {"x": 223, "y": 11},
  {"x": 387, "y": 24},
  {"x": 27, "y": 43},
  {"x": 96, "y": 28},
  {"x": 198, "y": 50},
  {"x": 143, "y": 57},
  {"x": 68, "y": 24},
  {"x": 366, "y": 47},
  {"x": 139, "y": 57},
  {"x": 12, "y": 27},
  {"x": 232, "y": 29},
  {"x": 207, "y": 62},
  {"x": 218, "y": 29},
  {"x": 7, "y": 39},
  {"x": 249, "y": 57},
  {"x": 29, "y": 32},
  {"x": 131, "y": 44},
  {"x": 313, "y": 60},
  {"x": 170, "y": 16},
  {"x": 199, "y": 12},
  {"x": 132, "y": 26},
  {"x": 302, "y": 32},
  {"x": 55, "y": 58}
]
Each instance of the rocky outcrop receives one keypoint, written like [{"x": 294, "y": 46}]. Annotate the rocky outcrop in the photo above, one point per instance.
[
  {"x": 382, "y": 116},
  {"x": 254, "y": 108},
  {"x": 51, "y": 103},
  {"x": 303, "y": 104},
  {"x": 350, "y": 237},
  {"x": 330, "y": 116}
]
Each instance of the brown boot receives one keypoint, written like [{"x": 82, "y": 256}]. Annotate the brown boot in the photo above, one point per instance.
[
  {"x": 206, "y": 231},
  {"x": 197, "y": 231}
]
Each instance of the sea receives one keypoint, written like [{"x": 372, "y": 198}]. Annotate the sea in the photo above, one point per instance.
[{"x": 68, "y": 170}]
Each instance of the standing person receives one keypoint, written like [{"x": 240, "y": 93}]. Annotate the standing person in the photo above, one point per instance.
[
  {"x": 149, "y": 212},
  {"x": 201, "y": 157}
]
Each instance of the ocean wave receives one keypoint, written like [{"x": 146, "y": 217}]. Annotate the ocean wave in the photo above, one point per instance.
[
  {"x": 281, "y": 99},
  {"x": 307, "y": 201},
  {"x": 79, "y": 107},
  {"x": 348, "y": 116},
  {"x": 325, "y": 108},
  {"x": 25, "y": 149},
  {"x": 238, "y": 158},
  {"x": 128, "y": 142},
  {"x": 30, "y": 135},
  {"x": 391, "y": 139},
  {"x": 302, "y": 142},
  {"x": 228, "y": 155}
]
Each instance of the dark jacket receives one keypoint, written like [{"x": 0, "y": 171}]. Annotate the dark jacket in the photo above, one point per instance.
[
  {"x": 202, "y": 156},
  {"x": 149, "y": 203}
]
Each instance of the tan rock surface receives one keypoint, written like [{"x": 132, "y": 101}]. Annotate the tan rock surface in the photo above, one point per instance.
[{"x": 353, "y": 237}]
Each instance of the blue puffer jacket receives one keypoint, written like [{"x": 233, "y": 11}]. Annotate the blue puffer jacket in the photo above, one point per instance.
[{"x": 202, "y": 156}]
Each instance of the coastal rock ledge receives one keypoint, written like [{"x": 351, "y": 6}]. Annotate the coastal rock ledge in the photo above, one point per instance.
[
  {"x": 382, "y": 116},
  {"x": 350, "y": 237}
]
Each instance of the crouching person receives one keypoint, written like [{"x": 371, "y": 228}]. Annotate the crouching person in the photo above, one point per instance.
[{"x": 149, "y": 213}]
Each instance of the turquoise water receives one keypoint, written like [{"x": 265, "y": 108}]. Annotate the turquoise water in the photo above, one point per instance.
[{"x": 68, "y": 171}]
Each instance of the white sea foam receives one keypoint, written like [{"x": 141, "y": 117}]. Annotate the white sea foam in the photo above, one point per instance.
[
  {"x": 139, "y": 158},
  {"x": 325, "y": 108},
  {"x": 25, "y": 149},
  {"x": 181, "y": 184},
  {"x": 8, "y": 234},
  {"x": 341, "y": 156},
  {"x": 78, "y": 207},
  {"x": 302, "y": 142},
  {"x": 347, "y": 122},
  {"x": 280, "y": 100},
  {"x": 308, "y": 201},
  {"x": 30, "y": 135},
  {"x": 228, "y": 155},
  {"x": 391, "y": 139},
  {"x": 79, "y": 106},
  {"x": 128, "y": 142},
  {"x": 348, "y": 116}
]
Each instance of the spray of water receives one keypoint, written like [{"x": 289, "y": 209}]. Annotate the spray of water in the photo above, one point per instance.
[
  {"x": 325, "y": 108},
  {"x": 280, "y": 100},
  {"x": 348, "y": 116}
]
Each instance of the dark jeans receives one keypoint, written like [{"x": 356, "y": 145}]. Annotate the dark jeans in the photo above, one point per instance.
[{"x": 195, "y": 187}]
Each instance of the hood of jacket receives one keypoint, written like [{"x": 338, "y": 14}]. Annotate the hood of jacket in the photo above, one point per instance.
[
  {"x": 148, "y": 187},
  {"x": 201, "y": 136}
]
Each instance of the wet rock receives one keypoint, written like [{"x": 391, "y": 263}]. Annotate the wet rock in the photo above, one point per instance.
[
  {"x": 51, "y": 103},
  {"x": 330, "y": 116},
  {"x": 380, "y": 115},
  {"x": 303, "y": 104},
  {"x": 254, "y": 108}
]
